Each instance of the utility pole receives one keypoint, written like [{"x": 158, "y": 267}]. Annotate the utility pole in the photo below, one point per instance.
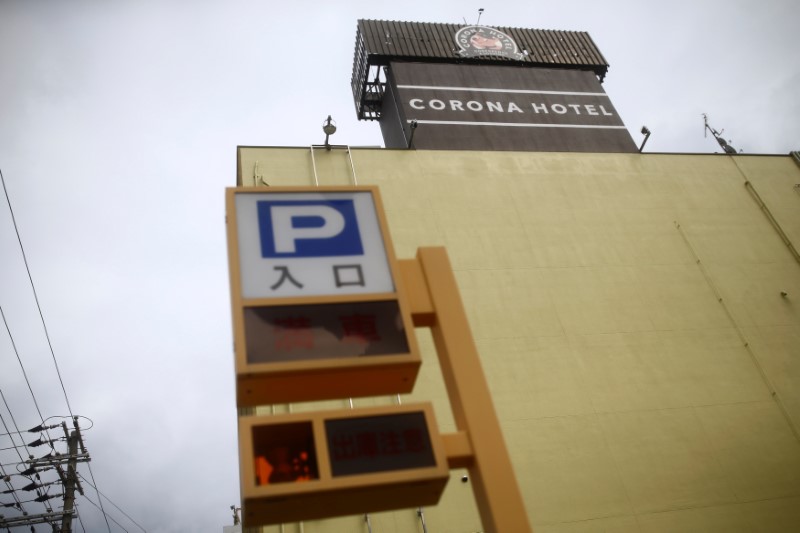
[
  {"x": 69, "y": 483},
  {"x": 68, "y": 478},
  {"x": 71, "y": 478}
]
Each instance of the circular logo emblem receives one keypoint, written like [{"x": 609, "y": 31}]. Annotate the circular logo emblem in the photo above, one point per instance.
[{"x": 478, "y": 41}]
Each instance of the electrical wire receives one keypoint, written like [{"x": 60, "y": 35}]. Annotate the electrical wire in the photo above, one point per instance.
[
  {"x": 73, "y": 418},
  {"x": 106, "y": 515},
  {"x": 80, "y": 521},
  {"x": 24, "y": 373},
  {"x": 8, "y": 484},
  {"x": 16, "y": 448},
  {"x": 49, "y": 439},
  {"x": 22, "y": 367},
  {"x": 112, "y": 503},
  {"x": 37, "y": 429},
  {"x": 44, "y": 326},
  {"x": 40, "y": 498},
  {"x": 27, "y": 451},
  {"x": 33, "y": 288},
  {"x": 99, "y": 499}
]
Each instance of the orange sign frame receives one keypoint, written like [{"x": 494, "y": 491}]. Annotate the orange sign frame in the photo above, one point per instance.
[
  {"x": 327, "y": 495},
  {"x": 317, "y": 379}
]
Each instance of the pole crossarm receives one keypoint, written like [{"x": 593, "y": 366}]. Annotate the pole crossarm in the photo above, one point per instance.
[{"x": 47, "y": 518}]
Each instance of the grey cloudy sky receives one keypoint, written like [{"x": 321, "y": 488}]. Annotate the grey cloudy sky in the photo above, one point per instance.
[{"x": 118, "y": 128}]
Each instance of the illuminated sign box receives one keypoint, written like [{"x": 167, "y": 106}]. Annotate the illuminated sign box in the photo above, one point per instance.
[
  {"x": 307, "y": 466},
  {"x": 317, "y": 312}
]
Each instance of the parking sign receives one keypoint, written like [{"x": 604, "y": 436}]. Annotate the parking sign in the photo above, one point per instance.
[
  {"x": 295, "y": 244},
  {"x": 318, "y": 306}
]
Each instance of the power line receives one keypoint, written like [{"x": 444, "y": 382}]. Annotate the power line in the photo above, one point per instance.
[
  {"x": 16, "y": 449},
  {"x": 13, "y": 421},
  {"x": 99, "y": 499},
  {"x": 16, "y": 352},
  {"x": 37, "y": 429},
  {"x": 33, "y": 288},
  {"x": 46, "y": 333},
  {"x": 7, "y": 480},
  {"x": 49, "y": 440},
  {"x": 107, "y": 517},
  {"x": 112, "y": 503},
  {"x": 24, "y": 373},
  {"x": 80, "y": 521}
]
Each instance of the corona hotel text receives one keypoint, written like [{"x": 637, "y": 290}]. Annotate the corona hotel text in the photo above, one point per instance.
[{"x": 510, "y": 107}]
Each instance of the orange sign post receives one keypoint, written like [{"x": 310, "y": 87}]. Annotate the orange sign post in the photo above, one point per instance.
[{"x": 479, "y": 445}]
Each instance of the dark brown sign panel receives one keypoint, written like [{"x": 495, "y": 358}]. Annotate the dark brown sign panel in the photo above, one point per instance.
[
  {"x": 323, "y": 331},
  {"x": 379, "y": 444},
  {"x": 479, "y": 107}
]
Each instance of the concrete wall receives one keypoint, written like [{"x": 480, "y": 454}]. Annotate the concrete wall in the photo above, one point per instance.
[{"x": 628, "y": 311}]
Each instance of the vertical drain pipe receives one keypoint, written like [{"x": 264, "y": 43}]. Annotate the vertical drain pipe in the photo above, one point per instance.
[
  {"x": 314, "y": 166},
  {"x": 421, "y": 515},
  {"x": 767, "y": 213},
  {"x": 352, "y": 166}
]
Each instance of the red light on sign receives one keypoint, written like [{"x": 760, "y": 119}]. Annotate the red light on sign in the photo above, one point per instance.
[
  {"x": 360, "y": 328},
  {"x": 304, "y": 466},
  {"x": 293, "y": 332},
  {"x": 284, "y": 453},
  {"x": 323, "y": 331}
]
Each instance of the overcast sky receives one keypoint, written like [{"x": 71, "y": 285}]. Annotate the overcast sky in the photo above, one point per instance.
[{"x": 119, "y": 123}]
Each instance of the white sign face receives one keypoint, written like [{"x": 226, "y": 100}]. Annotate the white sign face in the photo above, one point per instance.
[{"x": 310, "y": 244}]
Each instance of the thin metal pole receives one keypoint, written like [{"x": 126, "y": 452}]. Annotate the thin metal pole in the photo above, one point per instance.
[
  {"x": 421, "y": 515},
  {"x": 314, "y": 166},
  {"x": 352, "y": 166}
]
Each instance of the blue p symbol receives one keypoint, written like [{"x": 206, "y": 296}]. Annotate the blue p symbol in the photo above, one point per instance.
[{"x": 303, "y": 228}]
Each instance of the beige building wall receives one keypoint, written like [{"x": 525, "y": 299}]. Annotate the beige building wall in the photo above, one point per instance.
[{"x": 629, "y": 313}]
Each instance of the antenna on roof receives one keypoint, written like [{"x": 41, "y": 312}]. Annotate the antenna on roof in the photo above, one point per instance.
[
  {"x": 718, "y": 136},
  {"x": 480, "y": 12}
]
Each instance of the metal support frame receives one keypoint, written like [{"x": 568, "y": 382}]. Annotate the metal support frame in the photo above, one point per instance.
[{"x": 369, "y": 86}]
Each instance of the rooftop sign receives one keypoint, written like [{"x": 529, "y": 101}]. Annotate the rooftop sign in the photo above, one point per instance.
[
  {"x": 483, "y": 41},
  {"x": 491, "y": 107}
]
